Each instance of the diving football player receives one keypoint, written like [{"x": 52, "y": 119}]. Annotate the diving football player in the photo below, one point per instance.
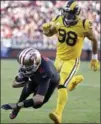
[{"x": 38, "y": 76}]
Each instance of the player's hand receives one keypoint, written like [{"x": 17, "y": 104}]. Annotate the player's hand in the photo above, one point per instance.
[
  {"x": 95, "y": 65},
  {"x": 9, "y": 106},
  {"x": 49, "y": 26},
  {"x": 46, "y": 27}
]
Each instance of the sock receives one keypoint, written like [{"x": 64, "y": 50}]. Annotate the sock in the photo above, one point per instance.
[
  {"x": 28, "y": 103},
  {"x": 62, "y": 99},
  {"x": 25, "y": 103},
  {"x": 23, "y": 96}
]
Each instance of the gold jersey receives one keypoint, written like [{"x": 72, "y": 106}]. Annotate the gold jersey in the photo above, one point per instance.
[{"x": 70, "y": 39}]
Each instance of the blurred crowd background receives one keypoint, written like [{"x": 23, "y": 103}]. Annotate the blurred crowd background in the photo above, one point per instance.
[{"x": 21, "y": 22}]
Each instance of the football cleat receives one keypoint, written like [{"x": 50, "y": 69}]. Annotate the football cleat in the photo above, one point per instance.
[
  {"x": 14, "y": 113},
  {"x": 55, "y": 117}
]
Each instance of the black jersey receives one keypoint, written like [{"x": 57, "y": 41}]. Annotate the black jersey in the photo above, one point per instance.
[
  {"x": 45, "y": 71},
  {"x": 45, "y": 75}
]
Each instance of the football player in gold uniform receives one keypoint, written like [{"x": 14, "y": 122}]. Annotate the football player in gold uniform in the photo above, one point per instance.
[{"x": 71, "y": 31}]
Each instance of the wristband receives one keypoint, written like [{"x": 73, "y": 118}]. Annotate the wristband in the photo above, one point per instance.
[{"x": 94, "y": 56}]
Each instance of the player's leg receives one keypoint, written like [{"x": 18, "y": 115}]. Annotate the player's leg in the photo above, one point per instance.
[
  {"x": 77, "y": 79},
  {"x": 67, "y": 72},
  {"x": 58, "y": 64},
  {"x": 27, "y": 90},
  {"x": 56, "y": 116},
  {"x": 52, "y": 87}
]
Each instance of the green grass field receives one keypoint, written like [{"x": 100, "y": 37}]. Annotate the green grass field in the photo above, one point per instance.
[{"x": 83, "y": 105}]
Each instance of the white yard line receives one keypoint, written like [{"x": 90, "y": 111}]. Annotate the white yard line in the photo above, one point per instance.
[{"x": 90, "y": 85}]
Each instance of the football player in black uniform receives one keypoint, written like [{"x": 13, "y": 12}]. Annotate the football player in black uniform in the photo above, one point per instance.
[{"x": 37, "y": 75}]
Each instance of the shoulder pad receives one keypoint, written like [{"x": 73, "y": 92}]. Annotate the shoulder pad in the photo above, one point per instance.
[{"x": 88, "y": 24}]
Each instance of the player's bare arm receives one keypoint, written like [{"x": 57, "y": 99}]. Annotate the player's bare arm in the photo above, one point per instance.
[{"x": 91, "y": 36}]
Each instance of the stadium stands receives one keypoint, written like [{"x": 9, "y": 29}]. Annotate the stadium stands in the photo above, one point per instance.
[{"x": 21, "y": 22}]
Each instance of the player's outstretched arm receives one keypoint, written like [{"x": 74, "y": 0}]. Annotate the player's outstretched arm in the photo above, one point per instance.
[
  {"x": 49, "y": 29},
  {"x": 91, "y": 36}
]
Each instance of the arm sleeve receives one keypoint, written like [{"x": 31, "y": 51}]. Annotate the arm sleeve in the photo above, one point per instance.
[{"x": 55, "y": 18}]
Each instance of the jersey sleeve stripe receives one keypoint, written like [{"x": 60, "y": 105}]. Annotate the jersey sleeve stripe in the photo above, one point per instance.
[
  {"x": 72, "y": 73},
  {"x": 57, "y": 17},
  {"x": 84, "y": 23}
]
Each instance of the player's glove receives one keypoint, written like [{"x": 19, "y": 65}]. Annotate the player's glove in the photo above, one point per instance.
[
  {"x": 46, "y": 27},
  {"x": 9, "y": 106},
  {"x": 95, "y": 65},
  {"x": 49, "y": 26}
]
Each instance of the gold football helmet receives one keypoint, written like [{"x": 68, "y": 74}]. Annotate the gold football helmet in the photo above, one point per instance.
[{"x": 30, "y": 60}]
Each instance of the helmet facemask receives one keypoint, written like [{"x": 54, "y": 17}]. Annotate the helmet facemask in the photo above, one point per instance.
[
  {"x": 70, "y": 15},
  {"x": 29, "y": 70}
]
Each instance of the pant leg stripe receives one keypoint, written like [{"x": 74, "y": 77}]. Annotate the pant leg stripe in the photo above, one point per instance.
[{"x": 72, "y": 73}]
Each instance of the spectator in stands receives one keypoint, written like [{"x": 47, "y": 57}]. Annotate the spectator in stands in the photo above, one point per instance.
[{"x": 23, "y": 20}]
